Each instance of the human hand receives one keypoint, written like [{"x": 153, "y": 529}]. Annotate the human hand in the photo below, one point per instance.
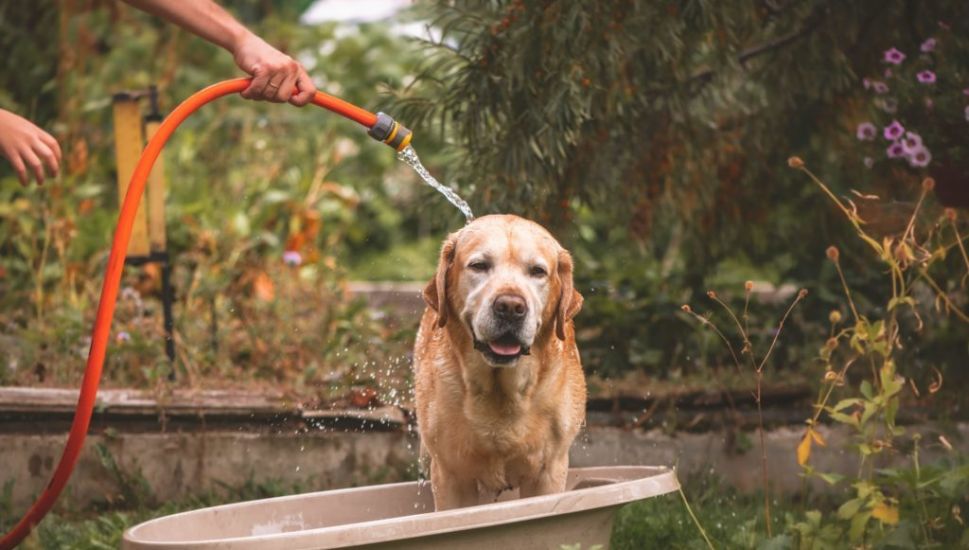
[
  {"x": 27, "y": 146},
  {"x": 275, "y": 75}
]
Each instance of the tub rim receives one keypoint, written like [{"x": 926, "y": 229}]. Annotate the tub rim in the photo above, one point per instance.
[{"x": 651, "y": 481}]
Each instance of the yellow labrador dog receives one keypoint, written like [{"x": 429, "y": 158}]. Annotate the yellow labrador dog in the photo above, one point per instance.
[{"x": 499, "y": 386}]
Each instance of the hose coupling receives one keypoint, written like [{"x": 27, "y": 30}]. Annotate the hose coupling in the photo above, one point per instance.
[{"x": 391, "y": 132}]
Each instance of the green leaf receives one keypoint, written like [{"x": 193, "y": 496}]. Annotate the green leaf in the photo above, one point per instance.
[
  {"x": 850, "y": 508},
  {"x": 858, "y": 525},
  {"x": 831, "y": 479}
]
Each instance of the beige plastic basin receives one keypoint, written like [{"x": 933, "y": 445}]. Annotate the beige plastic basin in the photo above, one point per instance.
[{"x": 401, "y": 516}]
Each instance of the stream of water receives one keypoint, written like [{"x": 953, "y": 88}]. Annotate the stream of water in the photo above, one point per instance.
[{"x": 409, "y": 157}]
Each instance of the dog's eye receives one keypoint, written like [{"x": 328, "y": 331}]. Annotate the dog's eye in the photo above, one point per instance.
[
  {"x": 479, "y": 265},
  {"x": 537, "y": 271}
]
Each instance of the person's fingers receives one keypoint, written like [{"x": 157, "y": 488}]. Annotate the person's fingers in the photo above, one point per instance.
[
  {"x": 46, "y": 154},
  {"x": 33, "y": 161},
  {"x": 18, "y": 165},
  {"x": 54, "y": 146},
  {"x": 287, "y": 88},
  {"x": 256, "y": 89},
  {"x": 306, "y": 90}
]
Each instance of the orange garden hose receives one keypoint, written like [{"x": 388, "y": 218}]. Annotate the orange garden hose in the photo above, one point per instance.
[{"x": 381, "y": 127}]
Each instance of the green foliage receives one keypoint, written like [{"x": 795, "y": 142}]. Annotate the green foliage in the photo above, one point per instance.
[
  {"x": 73, "y": 530},
  {"x": 650, "y": 136},
  {"x": 299, "y": 180}
]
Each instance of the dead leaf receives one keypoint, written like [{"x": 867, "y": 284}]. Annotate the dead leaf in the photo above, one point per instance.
[{"x": 804, "y": 448}]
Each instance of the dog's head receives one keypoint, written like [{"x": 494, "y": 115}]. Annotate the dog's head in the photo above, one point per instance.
[{"x": 508, "y": 282}]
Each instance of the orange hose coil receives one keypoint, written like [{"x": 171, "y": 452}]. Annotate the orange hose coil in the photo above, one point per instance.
[{"x": 112, "y": 279}]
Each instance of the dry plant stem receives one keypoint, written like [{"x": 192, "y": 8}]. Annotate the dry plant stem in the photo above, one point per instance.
[
  {"x": 910, "y": 229},
  {"x": 705, "y": 321},
  {"x": 780, "y": 327},
  {"x": 962, "y": 249},
  {"x": 696, "y": 522},
  {"x": 748, "y": 348},
  {"x": 746, "y": 305},
  {"x": 941, "y": 294},
  {"x": 760, "y": 412},
  {"x": 832, "y": 196},
  {"x": 763, "y": 456},
  {"x": 844, "y": 284}
]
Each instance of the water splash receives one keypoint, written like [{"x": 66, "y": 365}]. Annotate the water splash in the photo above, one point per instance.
[{"x": 409, "y": 156}]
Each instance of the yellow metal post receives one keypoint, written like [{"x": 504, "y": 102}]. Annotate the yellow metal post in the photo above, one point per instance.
[
  {"x": 128, "y": 143},
  {"x": 156, "y": 194}
]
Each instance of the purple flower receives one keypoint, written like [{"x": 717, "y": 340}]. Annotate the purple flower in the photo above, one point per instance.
[
  {"x": 926, "y": 77},
  {"x": 292, "y": 258},
  {"x": 879, "y": 87},
  {"x": 895, "y": 151},
  {"x": 919, "y": 158},
  {"x": 928, "y": 45},
  {"x": 869, "y": 162},
  {"x": 894, "y": 56},
  {"x": 866, "y": 131},
  {"x": 893, "y": 131},
  {"x": 911, "y": 142},
  {"x": 123, "y": 336}
]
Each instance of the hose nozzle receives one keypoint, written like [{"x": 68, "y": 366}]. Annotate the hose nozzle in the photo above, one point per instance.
[{"x": 391, "y": 132}]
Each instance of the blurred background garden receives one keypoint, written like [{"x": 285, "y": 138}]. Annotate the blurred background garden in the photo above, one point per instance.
[{"x": 652, "y": 138}]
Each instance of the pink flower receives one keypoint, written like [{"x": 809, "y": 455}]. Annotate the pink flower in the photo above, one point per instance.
[
  {"x": 123, "y": 337},
  {"x": 926, "y": 77},
  {"x": 894, "y": 56},
  {"x": 895, "y": 151},
  {"x": 911, "y": 142},
  {"x": 866, "y": 131},
  {"x": 893, "y": 131},
  {"x": 879, "y": 87},
  {"x": 965, "y": 91},
  {"x": 866, "y": 83},
  {"x": 928, "y": 45},
  {"x": 919, "y": 158},
  {"x": 292, "y": 258}
]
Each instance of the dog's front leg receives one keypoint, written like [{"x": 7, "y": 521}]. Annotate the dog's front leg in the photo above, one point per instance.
[
  {"x": 550, "y": 480},
  {"x": 451, "y": 490}
]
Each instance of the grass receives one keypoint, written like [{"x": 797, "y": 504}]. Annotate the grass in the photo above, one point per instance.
[{"x": 103, "y": 528}]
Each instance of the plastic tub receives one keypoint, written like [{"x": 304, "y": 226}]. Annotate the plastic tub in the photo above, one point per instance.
[{"x": 401, "y": 516}]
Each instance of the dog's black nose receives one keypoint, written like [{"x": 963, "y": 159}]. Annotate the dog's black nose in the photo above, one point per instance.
[{"x": 510, "y": 307}]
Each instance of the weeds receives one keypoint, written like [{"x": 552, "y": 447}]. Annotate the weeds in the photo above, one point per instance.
[{"x": 882, "y": 505}]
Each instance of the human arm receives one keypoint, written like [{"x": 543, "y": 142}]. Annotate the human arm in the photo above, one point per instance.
[
  {"x": 27, "y": 147},
  {"x": 275, "y": 75}
]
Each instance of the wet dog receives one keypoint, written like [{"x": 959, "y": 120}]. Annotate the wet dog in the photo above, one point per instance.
[{"x": 498, "y": 382}]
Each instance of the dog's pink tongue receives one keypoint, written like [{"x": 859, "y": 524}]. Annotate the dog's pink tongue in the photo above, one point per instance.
[{"x": 505, "y": 349}]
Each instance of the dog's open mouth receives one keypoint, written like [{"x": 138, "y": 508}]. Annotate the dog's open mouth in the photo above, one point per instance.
[{"x": 502, "y": 350}]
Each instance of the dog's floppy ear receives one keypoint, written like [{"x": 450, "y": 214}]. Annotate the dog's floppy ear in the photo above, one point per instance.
[
  {"x": 570, "y": 301},
  {"x": 435, "y": 293}
]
